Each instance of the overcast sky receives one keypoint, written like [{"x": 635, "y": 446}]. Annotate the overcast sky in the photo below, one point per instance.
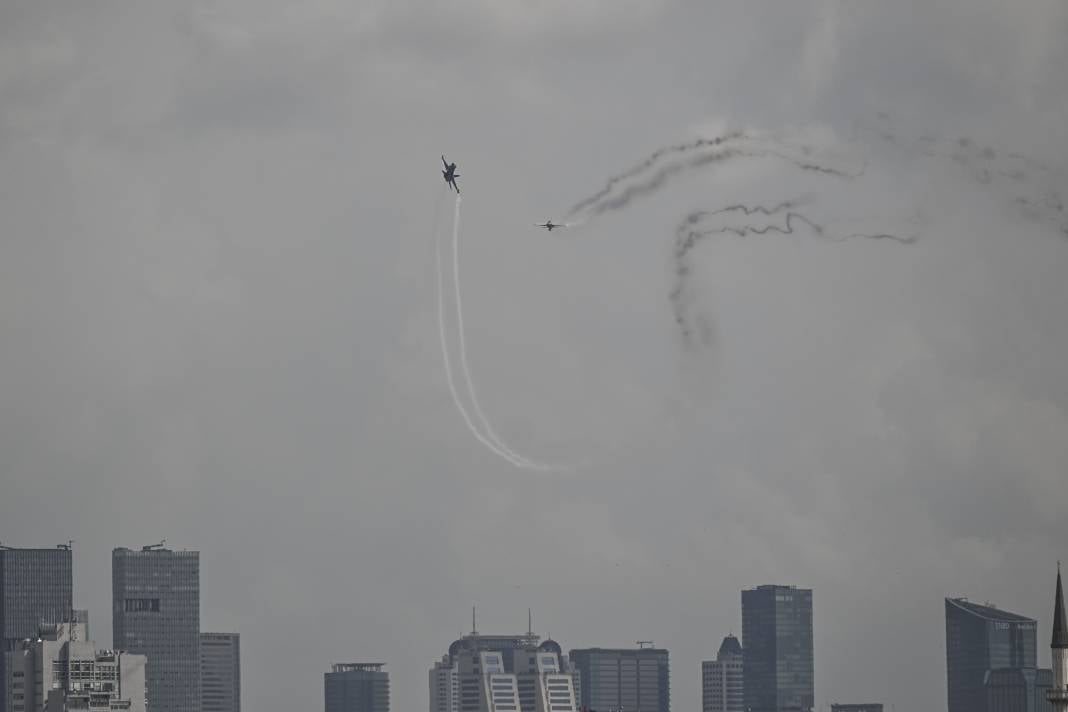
[{"x": 219, "y": 326}]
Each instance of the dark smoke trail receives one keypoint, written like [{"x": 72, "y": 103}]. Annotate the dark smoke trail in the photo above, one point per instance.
[
  {"x": 649, "y": 161},
  {"x": 661, "y": 177},
  {"x": 686, "y": 238}
]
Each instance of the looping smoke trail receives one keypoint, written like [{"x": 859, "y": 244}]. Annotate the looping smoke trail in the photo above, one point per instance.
[
  {"x": 514, "y": 457},
  {"x": 687, "y": 237},
  {"x": 648, "y": 162},
  {"x": 605, "y": 204},
  {"x": 445, "y": 348}
]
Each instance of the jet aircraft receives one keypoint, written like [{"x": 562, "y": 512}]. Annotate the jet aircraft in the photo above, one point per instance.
[
  {"x": 450, "y": 174},
  {"x": 550, "y": 225}
]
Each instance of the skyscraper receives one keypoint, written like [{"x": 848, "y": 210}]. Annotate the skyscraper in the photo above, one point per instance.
[
  {"x": 502, "y": 673},
  {"x": 155, "y": 594},
  {"x": 981, "y": 639},
  {"x": 35, "y": 590},
  {"x": 356, "y": 687},
  {"x": 627, "y": 679},
  {"x": 721, "y": 679},
  {"x": 777, "y": 649},
  {"x": 1057, "y": 695},
  {"x": 61, "y": 670},
  {"x": 220, "y": 672}
]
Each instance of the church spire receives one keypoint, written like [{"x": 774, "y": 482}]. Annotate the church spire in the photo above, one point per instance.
[{"x": 1060, "y": 622}]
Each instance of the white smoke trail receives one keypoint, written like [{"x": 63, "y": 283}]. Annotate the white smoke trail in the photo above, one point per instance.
[
  {"x": 511, "y": 454},
  {"x": 445, "y": 348}
]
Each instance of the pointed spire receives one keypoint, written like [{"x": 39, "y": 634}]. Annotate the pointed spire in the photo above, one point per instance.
[{"x": 1060, "y": 622}]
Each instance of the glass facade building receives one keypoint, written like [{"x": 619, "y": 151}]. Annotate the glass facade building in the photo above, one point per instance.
[
  {"x": 155, "y": 595},
  {"x": 35, "y": 590},
  {"x": 627, "y": 679},
  {"x": 777, "y": 649},
  {"x": 220, "y": 672},
  {"x": 356, "y": 687},
  {"x": 981, "y": 639}
]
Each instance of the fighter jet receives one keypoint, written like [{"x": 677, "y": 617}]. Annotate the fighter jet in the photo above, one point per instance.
[
  {"x": 549, "y": 225},
  {"x": 450, "y": 173}
]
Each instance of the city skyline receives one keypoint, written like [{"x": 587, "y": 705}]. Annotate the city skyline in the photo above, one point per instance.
[
  {"x": 804, "y": 321},
  {"x": 1022, "y": 653}
]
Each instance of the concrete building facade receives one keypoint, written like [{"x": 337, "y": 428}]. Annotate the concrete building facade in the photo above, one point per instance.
[
  {"x": 777, "y": 649},
  {"x": 623, "y": 679},
  {"x": 502, "y": 673},
  {"x": 722, "y": 681},
  {"x": 59, "y": 670},
  {"x": 356, "y": 687},
  {"x": 156, "y": 612},
  {"x": 35, "y": 589},
  {"x": 220, "y": 672}
]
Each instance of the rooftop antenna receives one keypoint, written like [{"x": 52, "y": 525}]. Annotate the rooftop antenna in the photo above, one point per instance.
[
  {"x": 530, "y": 623},
  {"x": 644, "y": 644},
  {"x": 474, "y": 628}
]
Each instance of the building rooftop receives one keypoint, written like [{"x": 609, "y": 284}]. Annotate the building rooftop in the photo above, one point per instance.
[
  {"x": 729, "y": 646},
  {"x": 358, "y": 667},
  {"x": 988, "y": 611}
]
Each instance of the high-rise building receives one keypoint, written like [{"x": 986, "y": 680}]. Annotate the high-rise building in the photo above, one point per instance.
[
  {"x": 1057, "y": 695},
  {"x": 627, "y": 679},
  {"x": 35, "y": 590},
  {"x": 777, "y": 649},
  {"x": 220, "y": 672},
  {"x": 857, "y": 708},
  {"x": 721, "y": 679},
  {"x": 356, "y": 687},
  {"x": 981, "y": 639},
  {"x": 155, "y": 595},
  {"x": 1017, "y": 690},
  {"x": 502, "y": 673},
  {"x": 60, "y": 670}
]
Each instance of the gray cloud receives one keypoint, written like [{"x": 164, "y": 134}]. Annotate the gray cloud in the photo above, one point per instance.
[{"x": 218, "y": 316}]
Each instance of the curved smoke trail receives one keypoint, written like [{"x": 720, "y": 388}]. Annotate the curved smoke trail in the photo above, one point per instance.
[
  {"x": 516, "y": 459},
  {"x": 445, "y": 348},
  {"x": 687, "y": 237}
]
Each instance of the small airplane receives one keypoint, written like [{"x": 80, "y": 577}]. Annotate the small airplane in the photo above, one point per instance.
[
  {"x": 549, "y": 225},
  {"x": 450, "y": 174}
]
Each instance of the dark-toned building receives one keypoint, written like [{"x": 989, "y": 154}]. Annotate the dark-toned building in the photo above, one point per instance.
[
  {"x": 984, "y": 644},
  {"x": 155, "y": 596},
  {"x": 857, "y": 708},
  {"x": 356, "y": 687},
  {"x": 220, "y": 672},
  {"x": 1017, "y": 690},
  {"x": 777, "y": 649},
  {"x": 1057, "y": 694},
  {"x": 627, "y": 679},
  {"x": 35, "y": 589}
]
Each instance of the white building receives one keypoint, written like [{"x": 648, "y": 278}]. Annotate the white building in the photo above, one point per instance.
[
  {"x": 494, "y": 673},
  {"x": 722, "y": 681},
  {"x": 61, "y": 671}
]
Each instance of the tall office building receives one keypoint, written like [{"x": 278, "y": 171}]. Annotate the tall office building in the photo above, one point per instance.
[
  {"x": 1057, "y": 695},
  {"x": 155, "y": 596},
  {"x": 60, "y": 670},
  {"x": 356, "y": 687},
  {"x": 502, "y": 673},
  {"x": 627, "y": 679},
  {"x": 777, "y": 649},
  {"x": 984, "y": 645},
  {"x": 35, "y": 590},
  {"x": 721, "y": 679},
  {"x": 220, "y": 672}
]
